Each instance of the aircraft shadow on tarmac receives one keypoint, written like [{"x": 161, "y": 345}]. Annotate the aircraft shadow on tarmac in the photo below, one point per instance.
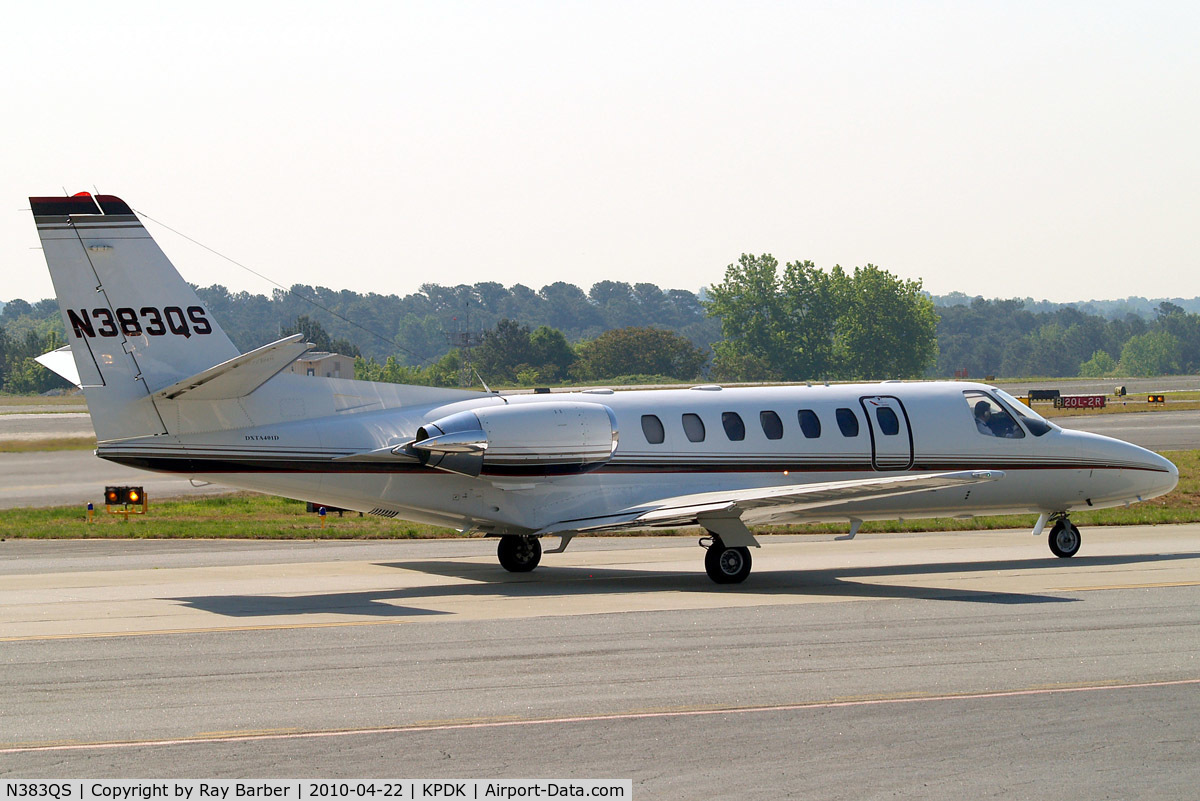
[
  {"x": 370, "y": 604},
  {"x": 557, "y": 582}
]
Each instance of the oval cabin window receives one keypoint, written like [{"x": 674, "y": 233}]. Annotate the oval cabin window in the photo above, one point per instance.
[
  {"x": 889, "y": 424},
  {"x": 847, "y": 422},
  {"x": 772, "y": 426},
  {"x": 652, "y": 427},
  {"x": 810, "y": 424},
  {"x": 735, "y": 429}
]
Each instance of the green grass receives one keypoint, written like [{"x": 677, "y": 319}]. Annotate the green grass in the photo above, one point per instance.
[
  {"x": 60, "y": 410},
  {"x": 252, "y": 516},
  {"x": 235, "y": 516},
  {"x": 1181, "y": 505},
  {"x": 8, "y": 399},
  {"x": 48, "y": 444},
  {"x": 1129, "y": 405}
]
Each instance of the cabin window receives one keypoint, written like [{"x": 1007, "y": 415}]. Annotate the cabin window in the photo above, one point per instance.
[
  {"x": 991, "y": 419},
  {"x": 889, "y": 424},
  {"x": 772, "y": 426},
  {"x": 810, "y": 424},
  {"x": 735, "y": 429},
  {"x": 693, "y": 426},
  {"x": 847, "y": 421},
  {"x": 652, "y": 427}
]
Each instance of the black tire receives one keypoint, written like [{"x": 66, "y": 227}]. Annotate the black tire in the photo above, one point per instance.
[
  {"x": 519, "y": 554},
  {"x": 727, "y": 565},
  {"x": 1065, "y": 539}
]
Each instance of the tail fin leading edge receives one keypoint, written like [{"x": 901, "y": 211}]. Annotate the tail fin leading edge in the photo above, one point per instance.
[{"x": 133, "y": 323}]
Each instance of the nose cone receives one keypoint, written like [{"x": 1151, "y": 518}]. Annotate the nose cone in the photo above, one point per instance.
[
  {"x": 1140, "y": 475},
  {"x": 1161, "y": 475},
  {"x": 1149, "y": 474}
]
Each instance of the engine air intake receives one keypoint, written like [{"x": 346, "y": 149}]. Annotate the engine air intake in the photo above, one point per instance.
[{"x": 520, "y": 439}]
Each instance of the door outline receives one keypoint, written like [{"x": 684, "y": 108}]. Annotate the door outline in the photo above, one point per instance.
[{"x": 889, "y": 461}]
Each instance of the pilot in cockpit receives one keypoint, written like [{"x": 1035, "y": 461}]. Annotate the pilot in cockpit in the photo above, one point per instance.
[
  {"x": 983, "y": 418},
  {"x": 993, "y": 421}
]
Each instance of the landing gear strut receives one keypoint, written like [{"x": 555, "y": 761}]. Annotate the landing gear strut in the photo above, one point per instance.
[
  {"x": 726, "y": 565},
  {"x": 519, "y": 554},
  {"x": 1064, "y": 538}
]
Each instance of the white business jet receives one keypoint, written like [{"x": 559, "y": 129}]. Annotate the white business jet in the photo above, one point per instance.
[{"x": 169, "y": 392}]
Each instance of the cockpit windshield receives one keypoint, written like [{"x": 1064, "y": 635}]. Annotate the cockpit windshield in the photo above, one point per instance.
[
  {"x": 992, "y": 419},
  {"x": 1036, "y": 424}
]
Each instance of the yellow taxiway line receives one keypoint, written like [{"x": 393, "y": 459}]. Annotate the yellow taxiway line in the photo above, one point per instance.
[
  {"x": 91, "y": 635},
  {"x": 498, "y": 723}
]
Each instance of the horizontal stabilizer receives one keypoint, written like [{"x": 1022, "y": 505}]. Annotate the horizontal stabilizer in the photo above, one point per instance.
[
  {"x": 388, "y": 453},
  {"x": 241, "y": 375},
  {"x": 60, "y": 362}
]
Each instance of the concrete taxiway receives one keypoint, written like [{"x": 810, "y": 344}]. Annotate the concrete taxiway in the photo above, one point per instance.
[
  {"x": 62, "y": 478},
  {"x": 931, "y": 666},
  {"x": 32, "y": 426},
  {"x": 1158, "y": 431}
]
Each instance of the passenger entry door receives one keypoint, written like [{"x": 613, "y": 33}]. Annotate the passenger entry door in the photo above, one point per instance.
[{"x": 891, "y": 433}]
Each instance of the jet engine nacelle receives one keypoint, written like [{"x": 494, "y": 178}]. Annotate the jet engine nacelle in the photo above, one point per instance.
[{"x": 520, "y": 439}]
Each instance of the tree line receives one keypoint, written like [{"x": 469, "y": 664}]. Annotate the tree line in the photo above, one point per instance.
[
  {"x": 28, "y": 330},
  {"x": 418, "y": 328},
  {"x": 1003, "y": 338},
  {"x": 512, "y": 353},
  {"x": 763, "y": 322}
]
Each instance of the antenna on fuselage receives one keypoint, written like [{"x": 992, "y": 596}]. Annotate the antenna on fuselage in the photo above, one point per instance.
[{"x": 488, "y": 389}]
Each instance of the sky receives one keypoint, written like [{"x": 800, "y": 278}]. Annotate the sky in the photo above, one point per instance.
[{"x": 1005, "y": 149}]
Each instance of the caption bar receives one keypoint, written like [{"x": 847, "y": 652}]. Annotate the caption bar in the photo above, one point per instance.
[{"x": 313, "y": 789}]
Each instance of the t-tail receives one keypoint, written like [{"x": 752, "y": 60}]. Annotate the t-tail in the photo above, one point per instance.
[{"x": 134, "y": 326}]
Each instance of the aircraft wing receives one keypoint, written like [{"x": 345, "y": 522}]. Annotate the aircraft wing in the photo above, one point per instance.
[{"x": 683, "y": 510}]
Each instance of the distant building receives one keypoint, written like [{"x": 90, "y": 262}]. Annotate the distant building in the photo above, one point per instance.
[{"x": 329, "y": 365}]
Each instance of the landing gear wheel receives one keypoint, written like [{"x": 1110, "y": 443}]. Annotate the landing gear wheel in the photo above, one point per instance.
[
  {"x": 1065, "y": 539},
  {"x": 519, "y": 554},
  {"x": 727, "y": 565}
]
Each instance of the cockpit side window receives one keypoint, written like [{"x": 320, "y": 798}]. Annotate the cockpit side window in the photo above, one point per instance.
[
  {"x": 991, "y": 419},
  {"x": 1033, "y": 421}
]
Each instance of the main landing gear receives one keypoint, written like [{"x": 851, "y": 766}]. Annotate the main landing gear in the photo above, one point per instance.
[
  {"x": 519, "y": 554},
  {"x": 1064, "y": 538},
  {"x": 725, "y": 565}
]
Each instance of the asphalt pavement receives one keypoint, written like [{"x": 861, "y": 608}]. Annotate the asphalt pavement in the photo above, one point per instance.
[
  {"x": 1158, "y": 431},
  {"x": 914, "y": 666}
]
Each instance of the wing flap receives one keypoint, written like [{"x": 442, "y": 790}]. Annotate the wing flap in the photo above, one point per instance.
[
  {"x": 684, "y": 510},
  {"x": 240, "y": 375}
]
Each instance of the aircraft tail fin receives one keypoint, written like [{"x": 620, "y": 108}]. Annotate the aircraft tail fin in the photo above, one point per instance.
[{"x": 133, "y": 324}]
